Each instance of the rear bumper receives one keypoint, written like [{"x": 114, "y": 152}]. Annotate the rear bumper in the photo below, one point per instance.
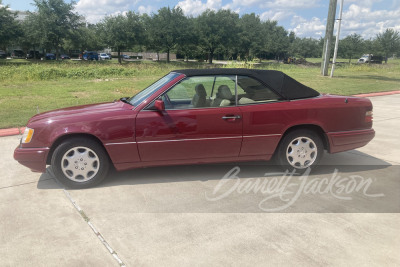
[
  {"x": 342, "y": 141},
  {"x": 33, "y": 158}
]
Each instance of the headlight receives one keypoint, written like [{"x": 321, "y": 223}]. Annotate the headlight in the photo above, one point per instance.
[{"x": 27, "y": 136}]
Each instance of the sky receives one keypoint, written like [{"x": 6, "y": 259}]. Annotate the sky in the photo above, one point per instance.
[{"x": 307, "y": 18}]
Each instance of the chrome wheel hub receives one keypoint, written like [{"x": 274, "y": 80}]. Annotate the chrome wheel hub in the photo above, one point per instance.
[
  {"x": 80, "y": 164},
  {"x": 301, "y": 152}
]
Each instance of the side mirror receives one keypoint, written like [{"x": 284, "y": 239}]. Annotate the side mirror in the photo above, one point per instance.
[{"x": 159, "y": 105}]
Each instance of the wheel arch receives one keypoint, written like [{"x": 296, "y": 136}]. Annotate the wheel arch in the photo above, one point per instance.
[
  {"x": 62, "y": 138},
  {"x": 312, "y": 127}
]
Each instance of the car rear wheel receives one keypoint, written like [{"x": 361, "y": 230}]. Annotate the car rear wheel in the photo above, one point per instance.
[
  {"x": 80, "y": 163},
  {"x": 300, "y": 150}
]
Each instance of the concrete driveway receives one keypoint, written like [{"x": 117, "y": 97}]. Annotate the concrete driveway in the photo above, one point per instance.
[{"x": 189, "y": 215}]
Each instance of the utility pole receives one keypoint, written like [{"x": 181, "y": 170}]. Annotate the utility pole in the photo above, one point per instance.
[
  {"x": 337, "y": 38},
  {"x": 330, "y": 23}
]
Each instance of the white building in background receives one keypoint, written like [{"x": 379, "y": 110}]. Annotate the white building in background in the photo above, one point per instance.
[{"x": 21, "y": 15}]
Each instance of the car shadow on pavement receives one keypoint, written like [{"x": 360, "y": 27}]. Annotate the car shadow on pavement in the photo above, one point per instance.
[
  {"x": 371, "y": 187},
  {"x": 340, "y": 163}
]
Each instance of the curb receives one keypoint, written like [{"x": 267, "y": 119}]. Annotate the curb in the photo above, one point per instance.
[
  {"x": 379, "y": 94},
  {"x": 11, "y": 131},
  {"x": 20, "y": 130}
]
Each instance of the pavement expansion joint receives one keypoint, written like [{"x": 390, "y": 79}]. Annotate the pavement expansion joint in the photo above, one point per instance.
[
  {"x": 25, "y": 183},
  {"x": 97, "y": 233}
]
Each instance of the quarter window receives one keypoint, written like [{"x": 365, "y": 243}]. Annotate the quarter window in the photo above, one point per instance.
[{"x": 251, "y": 91}]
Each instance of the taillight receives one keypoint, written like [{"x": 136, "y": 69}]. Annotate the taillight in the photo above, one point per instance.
[{"x": 368, "y": 116}]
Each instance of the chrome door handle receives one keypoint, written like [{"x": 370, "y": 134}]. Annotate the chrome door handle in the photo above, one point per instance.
[{"x": 231, "y": 117}]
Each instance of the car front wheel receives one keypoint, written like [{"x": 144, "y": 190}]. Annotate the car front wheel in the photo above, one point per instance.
[
  {"x": 300, "y": 150},
  {"x": 80, "y": 163}
]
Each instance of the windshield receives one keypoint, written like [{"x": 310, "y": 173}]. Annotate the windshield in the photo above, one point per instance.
[{"x": 141, "y": 96}]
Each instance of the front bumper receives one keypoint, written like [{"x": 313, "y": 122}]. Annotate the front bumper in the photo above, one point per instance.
[
  {"x": 343, "y": 141},
  {"x": 33, "y": 158}
]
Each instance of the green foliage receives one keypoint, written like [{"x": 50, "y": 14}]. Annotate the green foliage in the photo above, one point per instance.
[
  {"x": 31, "y": 37},
  {"x": 85, "y": 38},
  {"x": 305, "y": 48},
  {"x": 217, "y": 30},
  {"x": 52, "y": 23},
  {"x": 250, "y": 43},
  {"x": 276, "y": 39},
  {"x": 389, "y": 41},
  {"x": 351, "y": 46},
  {"x": 167, "y": 27},
  {"x": 10, "y": 29},
  {"x": 59, "y": 70},
  {"x": 188, "y": 40},
  {"x": 122, "y": 31}
]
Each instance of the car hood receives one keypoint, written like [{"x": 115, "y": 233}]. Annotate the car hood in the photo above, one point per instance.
[{"x": 81, "y": 110}]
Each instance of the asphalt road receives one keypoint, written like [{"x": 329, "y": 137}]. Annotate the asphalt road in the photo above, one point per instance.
[{"x": 345, "y": 213}]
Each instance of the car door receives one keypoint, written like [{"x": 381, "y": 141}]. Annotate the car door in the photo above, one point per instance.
[
  {"x": 264, "y": 117},
  {"x": 194, "y": 125}
]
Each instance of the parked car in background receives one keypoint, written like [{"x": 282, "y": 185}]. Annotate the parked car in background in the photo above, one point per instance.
[
  {"x": 89, "y": 55},
  {"x": 370, "y": 58},
  {"x": 50, "y": 56},
  {"x": 34, "y": 54},
  {"x": 104, "y": 56},
  {"x": 125, "y": 56},
  {"x": 197, "y": 116},
  {"x": 63, "y": 56},
  {"x": 3, "y": 54},
  {"x": 17, "y": 54},
  {"x": 109, "y": 55}
]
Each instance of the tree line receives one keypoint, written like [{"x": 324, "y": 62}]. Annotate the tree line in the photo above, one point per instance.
[{"x": 222, "y": 34}]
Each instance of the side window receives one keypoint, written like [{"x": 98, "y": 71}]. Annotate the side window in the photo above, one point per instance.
[
  {"x": 254, "y": 92},
  {"x": 192, "y": 92},
  {"x": 224, "y": 91}
]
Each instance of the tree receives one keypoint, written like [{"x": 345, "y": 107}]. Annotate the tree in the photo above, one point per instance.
[
  {"x": 280, "y": 42},
  {"x": 305, "y": 47},
  {"x": 166, "y": 28},
  {"x": 10, "y": 29},
  {"x": 217, "y": 30},
  {"x": 350, "y": 46},
  {"x": 122, "y": 31},
  {"x": 29, "y": 39},
  {"x": 85, "y": 37},
  {"x": 188, "y": 39},
  {"x": 389, "y": 42},
  {"x": 149, "y": 38},
  {"x": 276, "y": 39},
  {"x": 250, "y": 29},
  {"x": 56, "y": 20}
]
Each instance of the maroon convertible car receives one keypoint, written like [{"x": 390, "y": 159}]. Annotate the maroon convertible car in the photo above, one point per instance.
[{"x": 197, "y": 116}]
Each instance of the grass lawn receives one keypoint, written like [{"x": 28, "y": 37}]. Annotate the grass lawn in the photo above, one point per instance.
[{"x": 29, "y": 87}]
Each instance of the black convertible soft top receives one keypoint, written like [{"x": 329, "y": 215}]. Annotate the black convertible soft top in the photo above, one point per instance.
[{"x": 281, "y": 83}]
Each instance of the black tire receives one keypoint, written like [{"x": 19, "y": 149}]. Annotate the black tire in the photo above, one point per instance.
[
  {"x": 80, "y": 163},
  {"x": 309, "y": 151}
]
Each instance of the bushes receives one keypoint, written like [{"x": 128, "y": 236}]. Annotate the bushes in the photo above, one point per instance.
[{"x": 81, "y": 70}]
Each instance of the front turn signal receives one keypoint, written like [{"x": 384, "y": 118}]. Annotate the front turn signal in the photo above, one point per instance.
[
  {"x": 27, "y": 136},
  {"x": 368, "y": 116}
]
